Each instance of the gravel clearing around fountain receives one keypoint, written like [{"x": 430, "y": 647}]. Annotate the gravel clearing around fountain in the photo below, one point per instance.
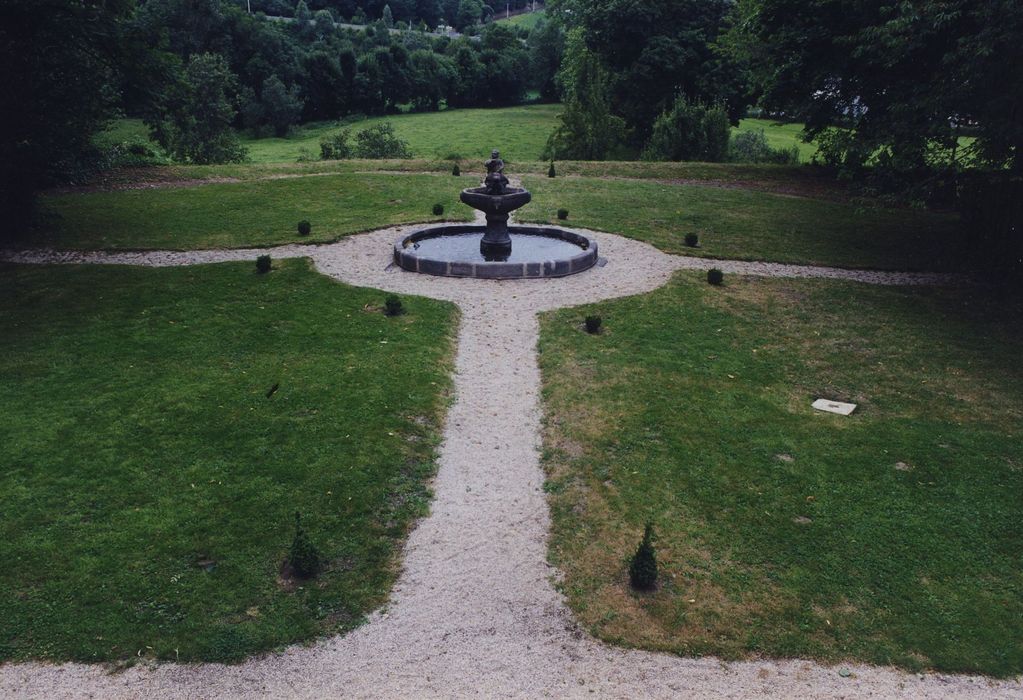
[{"x": 475, "y": 611}]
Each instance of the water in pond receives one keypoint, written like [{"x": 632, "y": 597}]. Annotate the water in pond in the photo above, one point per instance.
[{"x": 465, "y": 247}]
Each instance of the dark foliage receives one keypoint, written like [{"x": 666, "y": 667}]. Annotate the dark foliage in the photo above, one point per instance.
[
  {"x": 692, "y": 240},
  {"x": 593, "y": 324},
  {"x": 304, "y": 228},
  {"x": 550, "y": 171},
  {"x": 303, "y": 557},
  {"x": 263, "y": 264},
  {"x": 715, "y": 276},
  {"x": 562, "y": 214},
  {"x": 393, "y": 306},
  {"x": 438, "y": 209},
  {"x": 455, "y": 170},
  {"x": 643, "y": 567}
]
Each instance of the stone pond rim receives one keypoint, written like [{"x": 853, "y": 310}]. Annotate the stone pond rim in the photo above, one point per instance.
[{"x": 581, "y": 254}]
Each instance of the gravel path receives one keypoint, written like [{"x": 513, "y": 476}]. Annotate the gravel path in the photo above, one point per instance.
[{"x": 474, "y": 612}]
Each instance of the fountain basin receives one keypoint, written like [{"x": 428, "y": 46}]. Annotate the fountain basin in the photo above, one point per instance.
[{"x": 536, "y": 252}]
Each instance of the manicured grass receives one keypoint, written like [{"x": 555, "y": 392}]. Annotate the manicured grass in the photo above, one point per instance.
[
  {"x": 779, "y": 135},
  {"x": 520, "y": 133},
  {"x": 246, "y": 214},
  {"x": 749, "y": 225},
  {"x": 149, "y": 479},
  {"x": 527, "y": 20},
  {"x": 892, "y": 536}
]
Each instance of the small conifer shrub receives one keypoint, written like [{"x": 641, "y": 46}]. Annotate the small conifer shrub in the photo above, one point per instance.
[
  {"x": 392, "y": 306},
  {"x": 593, "y": 324},
  {"x": 550, "y": 170},
  {"x": 643, "y": 567},
  {"x": 562, "y": 214},
  {"x": 692, "y": 240},
  {"x": 715, "y": 276},
  {"x": 303, "y": 557},
  {"x": 263, "y": 264},
  {"x": 456, "y": 171},
  {"x": 438, "y": 209},
  {"x": 304, "y": 228}
]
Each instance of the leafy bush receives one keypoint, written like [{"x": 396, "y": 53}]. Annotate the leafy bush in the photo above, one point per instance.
[
  {"x": 715, "y": 276},
  {"x": 643, "y": 567},
  {"x": 304, "y": 228},
  {"x": 263, "y": 264},
  {"x": 303, "y": 557},
  {"x": 336, "y": 146},
  {"x": 562, "y": 214},
  {"x": 379, "y": 141},
  {"x": 392, "y": 306},
  {"x": 550, "y": 170},
  {"x": 690, "y": 131},
  {"x": 593, "y": 324},
  {"x": 438, "y": 209},
  {"x": 692, "y": 240},
  {"x": 752, "y": 147},
  {"x": 456, "y": 171}
]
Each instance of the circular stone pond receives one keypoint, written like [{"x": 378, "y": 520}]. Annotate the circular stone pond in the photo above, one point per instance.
[{"x": 535, "y": 252}]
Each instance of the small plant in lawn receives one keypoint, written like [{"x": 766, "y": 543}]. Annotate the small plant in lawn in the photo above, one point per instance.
[
  {"x": 263, "y": 264},
  {"x": 643, "y": 567},
  {"x": 392, "y": 306},
  {"x": 456, "y": 171},
  {"x": 562, "y": 214},
  {"x": 303, "y": 557},
  {"x": 304, "y": 228},
  {"x": 593, "y": 324},
  {"x": 692, "y": 240},
  {"x": 715, "y": 276},
  {"x": 550, "y": 170},
  {"x": 438, "y": 210}
]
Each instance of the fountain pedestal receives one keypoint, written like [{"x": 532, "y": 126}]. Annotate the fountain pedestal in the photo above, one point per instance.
[{"x": 496, "y": 243}]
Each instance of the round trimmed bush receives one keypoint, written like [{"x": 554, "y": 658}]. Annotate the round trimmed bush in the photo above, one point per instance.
[
  {"x": 692, "y": 240},
  {"x": 393, "y": 307},
  {"x": 304, "y": 228},
  {"x": 263, "y": 264},
  {"x": 438, "y": 210},
  {"x": 562, "y": 214},
  {"x": 715, "y": 276},
  {"x": 593, "y": 324}
]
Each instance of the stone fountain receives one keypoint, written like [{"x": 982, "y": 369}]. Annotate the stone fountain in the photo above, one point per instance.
[{"x": 496, "y": 251}]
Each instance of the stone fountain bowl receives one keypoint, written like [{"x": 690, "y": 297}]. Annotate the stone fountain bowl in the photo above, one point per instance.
[{"x": 512, "y": 199}]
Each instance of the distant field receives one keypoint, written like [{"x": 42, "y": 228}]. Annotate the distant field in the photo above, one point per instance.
[
  {"x": 519, "y": 132},
  {"x": 780, "y": 135},
  {"x": 525, "y": 21}
]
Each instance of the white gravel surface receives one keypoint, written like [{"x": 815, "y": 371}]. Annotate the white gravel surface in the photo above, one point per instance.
[{"x": 474, "y": 613}]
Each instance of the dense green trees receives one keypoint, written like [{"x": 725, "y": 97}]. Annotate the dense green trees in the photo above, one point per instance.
[
  {"x": 645, "y": 55},
  {"x": 60, "y": 72},
  {"x": 908, "y": 77}
]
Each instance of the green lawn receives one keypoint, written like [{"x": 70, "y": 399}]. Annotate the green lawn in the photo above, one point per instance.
[
  {"x": 783, "y": 136},
  {"x": 749, "y": 225},
  {"x": 892, "y": 536},
  {"x": 526, "y": 21},
  {"x": 149, "y": 481},
  {"x": 257, "y": 213},
  {"x": 519, "y": 132}
]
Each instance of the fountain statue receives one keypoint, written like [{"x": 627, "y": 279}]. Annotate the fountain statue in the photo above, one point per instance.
[
  {"x": 460, "y": 250},
  {"x": 496, "y": 200}
]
